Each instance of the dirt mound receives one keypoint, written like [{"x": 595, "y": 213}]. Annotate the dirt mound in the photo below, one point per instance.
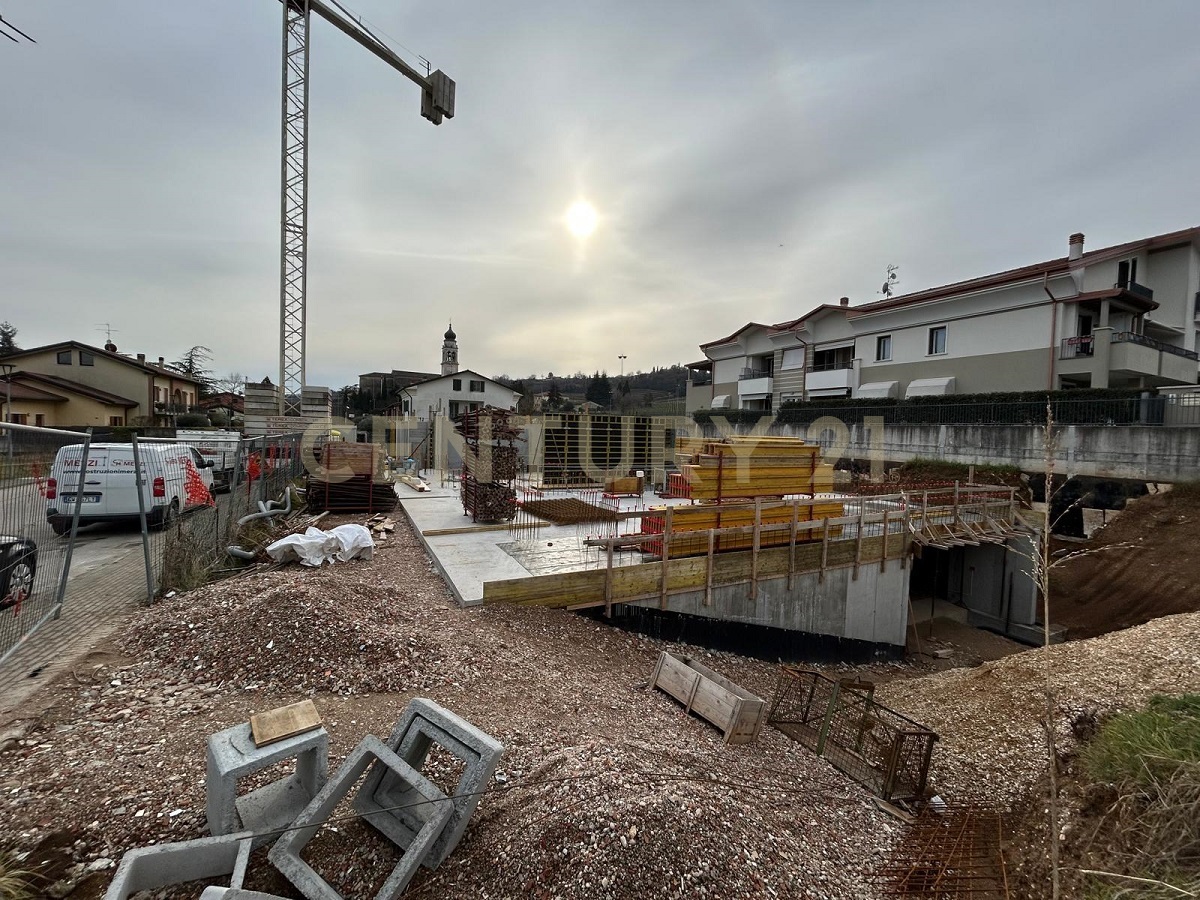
[
  {"x": 989, "y": 719},
  {"x": 309, "y": 632},
  {"x": 1145, "y": 564}
]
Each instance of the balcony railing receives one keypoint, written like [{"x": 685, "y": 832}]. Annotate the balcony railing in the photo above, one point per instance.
[
  {"x": 1134, "y": 288},
  {"x": 1073, "y": 347},
  {"x": 177, "y": 409},
  {"x": 754, "y": 373},
  {"x": 830, "y": 365},
  {"x": 1129, "y": 337}
]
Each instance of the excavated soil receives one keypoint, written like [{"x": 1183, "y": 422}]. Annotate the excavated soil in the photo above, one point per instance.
[{"x": 1143, "y": 565}]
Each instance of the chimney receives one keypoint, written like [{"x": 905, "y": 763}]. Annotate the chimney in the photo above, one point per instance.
[
  {"x": 1075, "y": 246},
  {"x": 142, "y": 358},
  {"x": 161, "y": 361},
  {"x": 845, "y": 301}
]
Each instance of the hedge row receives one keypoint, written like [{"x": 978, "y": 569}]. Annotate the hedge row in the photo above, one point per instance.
[{"x": 1088, "y": 406}]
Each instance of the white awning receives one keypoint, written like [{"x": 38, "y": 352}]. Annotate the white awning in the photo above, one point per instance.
[
  {"x": 877, "y": 390},
  {"x": 833, "y": 345},
  {"x": 828, "y": 392},
  {"x": 930, "y": 387},
  {"x": 721, "y": 401}
]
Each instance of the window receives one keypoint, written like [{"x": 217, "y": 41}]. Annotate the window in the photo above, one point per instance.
[
  {"x": 937, "y": 340},
  {"x": 883, "y": 347},
  {"x": 86, "y": 359},
  {"x": 456, "y": 384},
  {"x": 1126, "y": 272},
  {"x": 39, "y": 419},
  {"x": 157, "y": 394},
  {"x": 64, "y": 357},
  {"x": 116, "y": 420},
  {"x": 476, "y": 386},
  {"x": 19, "y": 419}
]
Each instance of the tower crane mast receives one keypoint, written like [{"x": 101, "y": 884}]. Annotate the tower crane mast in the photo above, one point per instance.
[{"x": 437, "y": 101}]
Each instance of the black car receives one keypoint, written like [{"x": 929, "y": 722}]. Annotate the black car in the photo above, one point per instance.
[{"x": 18, "y": 563}]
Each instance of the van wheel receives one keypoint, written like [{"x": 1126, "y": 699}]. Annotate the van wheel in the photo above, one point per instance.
[
  {"x": 60, "y": 528},
  {"x": 169, "y": 515}
]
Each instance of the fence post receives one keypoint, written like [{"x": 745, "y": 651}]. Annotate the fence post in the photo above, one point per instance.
[
  {"x": 62, "y": 582},
  {"x": 137, "y": 477}
]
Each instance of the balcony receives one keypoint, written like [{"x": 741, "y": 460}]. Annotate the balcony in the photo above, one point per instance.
[
  {"x": 749, "y": 374},
  {"x": 1138, "y": 290},
  {"x": 757, "y": 387},
  {"x": 1075, "y": 347},
  {"x": 1129, "y": 337},
  {"x": 1139, "y": 355},
  {"x": 822, "y": 380}
]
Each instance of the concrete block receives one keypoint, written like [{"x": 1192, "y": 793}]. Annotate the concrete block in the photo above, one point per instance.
[
  {"x": 423, "y": 724},
  {"x": 162, "y": 865},
  {"x": 433, "y": 812},
  {"x": 232, "y": 755}
]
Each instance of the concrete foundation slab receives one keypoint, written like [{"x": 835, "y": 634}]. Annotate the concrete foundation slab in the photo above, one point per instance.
[
  {"x": 385, "y": 799},
  {"x": 232, "y": 755},
  {"x": 431, "y": 807},
  {"x": 163, "y": 865}
]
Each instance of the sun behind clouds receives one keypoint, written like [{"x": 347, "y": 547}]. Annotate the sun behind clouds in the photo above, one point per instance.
[{"x": 581, "y": 219}]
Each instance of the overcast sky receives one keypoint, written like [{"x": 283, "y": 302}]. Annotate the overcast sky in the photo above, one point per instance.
[{"x": 747, "y": 161}]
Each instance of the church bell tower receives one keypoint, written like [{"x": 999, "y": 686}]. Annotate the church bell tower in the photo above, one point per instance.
[{"x": 450, "y": 352}]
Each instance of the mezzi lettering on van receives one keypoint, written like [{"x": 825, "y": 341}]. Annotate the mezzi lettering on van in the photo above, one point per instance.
[{"x": 107, "y": 491}]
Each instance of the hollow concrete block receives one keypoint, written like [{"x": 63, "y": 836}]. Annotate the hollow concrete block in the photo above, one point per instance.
[
  {"x": 432, "y": 810},
  {"x": 232, "y": 756},
  {"x": 162, "y": 865},
  {"x": 384, "y": 800}
]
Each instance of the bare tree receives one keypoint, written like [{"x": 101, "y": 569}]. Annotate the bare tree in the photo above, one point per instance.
[{"x": 232, "y": 383}]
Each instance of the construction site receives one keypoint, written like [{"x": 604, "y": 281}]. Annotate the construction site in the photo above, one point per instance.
[{"x": 726, "y": 678}]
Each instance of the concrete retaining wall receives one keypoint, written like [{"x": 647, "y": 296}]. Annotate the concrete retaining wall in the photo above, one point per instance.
[{"x": 872, "y": 607}]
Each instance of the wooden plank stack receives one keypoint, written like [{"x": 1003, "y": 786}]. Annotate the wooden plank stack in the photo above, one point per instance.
[
  {"x": 690, "y": 526},
  {"x": 747, "y": 466}
]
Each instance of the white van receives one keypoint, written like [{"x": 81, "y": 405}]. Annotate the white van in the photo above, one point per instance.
[{"x": 109, "y": 491}]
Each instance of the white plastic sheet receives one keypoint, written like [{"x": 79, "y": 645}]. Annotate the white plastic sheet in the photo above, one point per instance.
[{"x": 316, "y": 547}]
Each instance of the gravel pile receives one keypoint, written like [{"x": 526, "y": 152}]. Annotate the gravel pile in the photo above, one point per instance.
[
  {"x": 989, "y": 719},
  {"x": 310, "y": 632}
]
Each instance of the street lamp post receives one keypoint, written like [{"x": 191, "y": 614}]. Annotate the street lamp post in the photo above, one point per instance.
[{"x": 622, "y": 358}]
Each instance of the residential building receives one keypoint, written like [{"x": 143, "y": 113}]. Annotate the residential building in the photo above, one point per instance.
[
  {"x": 44, "y": 400},
  {"x": 157, "y": 392},
  {"x": 1121, "y": 316},
  {"x": 453, "y": 392}
]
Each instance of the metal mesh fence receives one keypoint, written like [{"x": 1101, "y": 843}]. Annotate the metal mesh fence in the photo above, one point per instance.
[
  {"x": 33, "y": 558},
  {"x": 193, "y": 516}
]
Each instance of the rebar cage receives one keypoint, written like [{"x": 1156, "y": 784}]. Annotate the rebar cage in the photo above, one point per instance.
[{"x": 840, "y": 720}]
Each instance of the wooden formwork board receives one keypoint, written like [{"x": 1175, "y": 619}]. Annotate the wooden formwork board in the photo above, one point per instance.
[{"x": 687, "y": 574}]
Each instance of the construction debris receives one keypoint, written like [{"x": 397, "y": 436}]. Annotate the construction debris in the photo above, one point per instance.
[
  {"x": 425, "y": 823},
  {"x": 316, "y": 547}
]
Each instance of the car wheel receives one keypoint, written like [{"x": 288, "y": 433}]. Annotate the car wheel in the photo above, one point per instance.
[
  {"x": 60, "y": 528},
  {"x": 17, "y": 583}
]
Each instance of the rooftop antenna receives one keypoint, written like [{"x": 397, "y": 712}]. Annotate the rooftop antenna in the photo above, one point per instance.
[
  {"x": 107, "y": 329},
  {"x": 891, "y": 280},
  {"x": 11, "y": 27}
]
